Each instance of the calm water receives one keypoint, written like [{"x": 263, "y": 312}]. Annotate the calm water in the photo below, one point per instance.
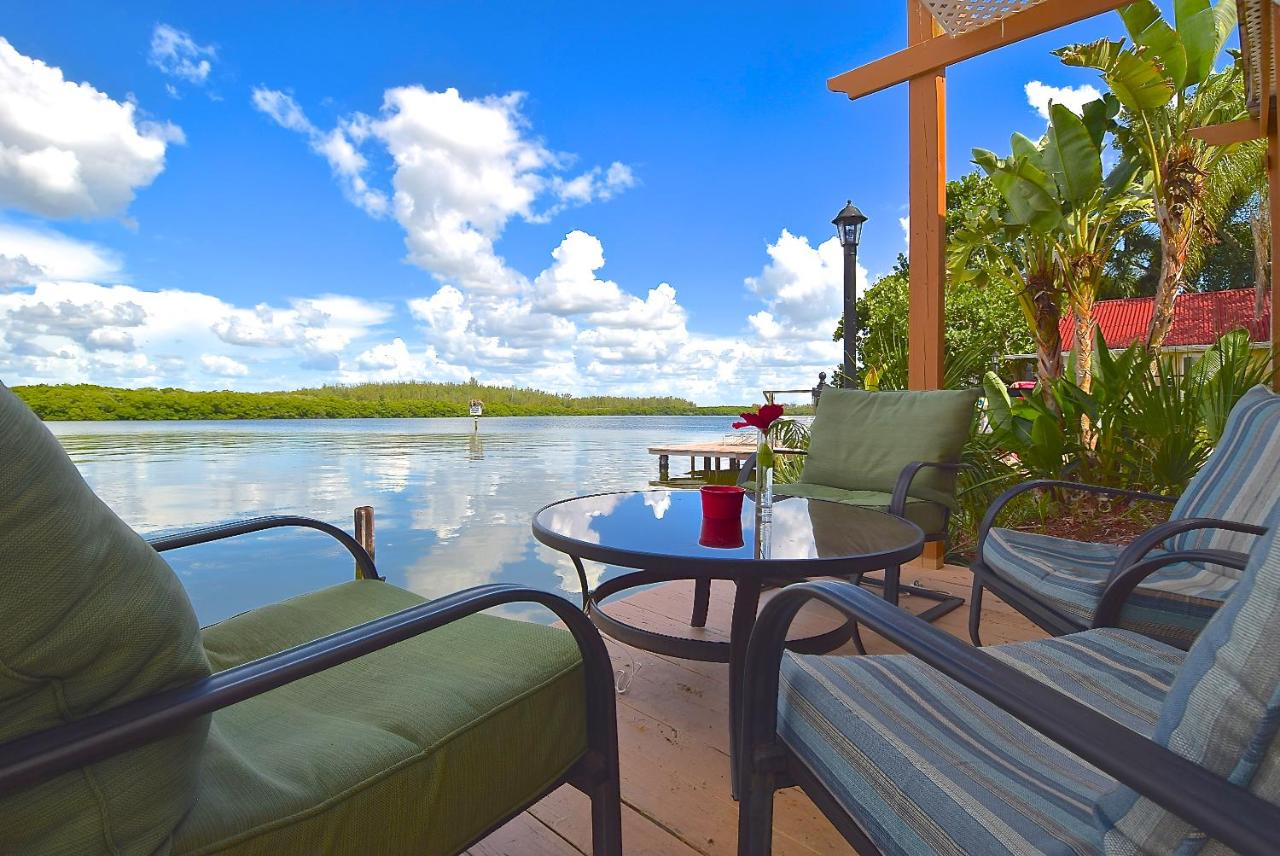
[{"x": 452, "y": 507}]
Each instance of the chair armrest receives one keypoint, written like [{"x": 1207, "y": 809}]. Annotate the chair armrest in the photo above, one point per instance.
[
  {"x": 38, "y": 757},
  {"x": 747, "y": 472},
  {"x": 898, "y": 501},
  {"x": 1125, "y": 578},
  {"x": 1161, "y": 532},
  {"x": 220, "y": 531},
  {"x": 989, "y": 519},
  {"x": 1219, "y": 808}
]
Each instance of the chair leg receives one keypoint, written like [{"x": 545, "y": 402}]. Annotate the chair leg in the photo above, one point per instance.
[
  {"x": 975, "y": 612},
  {"x": 755, "y": 815},
  {"x": 701, "y": 602},
  {"x": 606, "y": 816}
]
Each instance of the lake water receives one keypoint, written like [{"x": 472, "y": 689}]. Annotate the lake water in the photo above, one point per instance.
[{"x": 452, "y": 506}]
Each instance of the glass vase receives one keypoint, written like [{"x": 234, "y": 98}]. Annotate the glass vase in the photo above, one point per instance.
[{"x": 764, "y": 472}]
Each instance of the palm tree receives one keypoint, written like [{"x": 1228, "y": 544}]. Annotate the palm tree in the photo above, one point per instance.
[
  {"x": 1069, "y": 219},
  {"x": 1166, "y": 84}
]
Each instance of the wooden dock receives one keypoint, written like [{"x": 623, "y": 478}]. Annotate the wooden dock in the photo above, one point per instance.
[
  {"x": 731, "y": 452},
  {"x": 673, "y": 734}
]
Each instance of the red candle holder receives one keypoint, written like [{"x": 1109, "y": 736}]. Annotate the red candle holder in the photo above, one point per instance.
[{"x": 722, "y": 502}]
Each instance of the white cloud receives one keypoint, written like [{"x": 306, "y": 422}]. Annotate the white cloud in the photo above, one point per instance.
[
  {"x": 462, "y": 169},
  {"x": 175, "y": 53},
  {"x": 346, "y": 162},
  {"x": 18, "y": 270},
  {"x": 905, "y": 223},
  {"x": 1041, "y": 95},
  {"x": 223, "y": 366},
  {"x": 570, "y": 286},
  {"x": 58, "y": 328},
  {"x": 68, "y": 150},
  {"x": 802, "y": 288},
  {"x": 283, "y": 110},
  {"x": 56, "y": 256}
]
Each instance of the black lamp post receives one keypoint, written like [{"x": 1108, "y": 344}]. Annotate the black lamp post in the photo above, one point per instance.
[{"x": 848, "y": 225}]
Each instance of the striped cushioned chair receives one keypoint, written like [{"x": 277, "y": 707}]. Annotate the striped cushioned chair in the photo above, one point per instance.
[
  {"x": 1104, "y": 741},
  {"x": 1176, "y": 575}
]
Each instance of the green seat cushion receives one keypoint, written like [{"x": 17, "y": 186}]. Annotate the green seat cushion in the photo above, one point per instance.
[
  {"x": 929, "y": 516},
  {"x": 417, "y": 748},
  {"x": 861, "y": 440},
  {"x": 90, "y": 618}
]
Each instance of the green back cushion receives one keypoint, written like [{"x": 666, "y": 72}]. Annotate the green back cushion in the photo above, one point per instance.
[
  {"x": 90, "y": 617},
  {"x": 1222, "y": 712},
  {"x": 861, "y": 440}
]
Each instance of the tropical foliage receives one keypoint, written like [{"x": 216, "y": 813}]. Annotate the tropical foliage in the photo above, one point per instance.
[
  {"x": 1166, "y": 83},
  {"x": 1061, "y": 221}
]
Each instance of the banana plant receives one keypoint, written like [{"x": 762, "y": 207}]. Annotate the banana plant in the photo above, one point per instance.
[
  {"x": 1069, "y": 218},
  {"x": 1166, "y": 84}
]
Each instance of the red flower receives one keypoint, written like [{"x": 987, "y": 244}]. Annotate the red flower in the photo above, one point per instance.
[{"x": 762, "y": 418}]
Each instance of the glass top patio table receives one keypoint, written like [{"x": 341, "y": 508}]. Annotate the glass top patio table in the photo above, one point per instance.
[
  {"x": 664, "y": 530},
  {"x": 664, "y": 536}
]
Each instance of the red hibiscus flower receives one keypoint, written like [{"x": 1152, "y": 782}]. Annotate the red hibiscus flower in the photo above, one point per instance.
[{"x": 762, "y": 418}]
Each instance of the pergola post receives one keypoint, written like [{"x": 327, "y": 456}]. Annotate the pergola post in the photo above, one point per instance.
[
  {"x": 927, "y": 117},
  {"x": 928, "y": 209}
]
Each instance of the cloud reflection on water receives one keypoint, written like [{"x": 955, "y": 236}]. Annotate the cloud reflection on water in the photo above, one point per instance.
[{"x": 452, "y": 508}]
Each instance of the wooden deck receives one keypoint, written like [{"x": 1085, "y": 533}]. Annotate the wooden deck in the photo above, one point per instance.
[{"x": 673, "y": 735}]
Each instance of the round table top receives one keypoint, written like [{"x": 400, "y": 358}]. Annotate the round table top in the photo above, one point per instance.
[{"x": 665, "y": 531}]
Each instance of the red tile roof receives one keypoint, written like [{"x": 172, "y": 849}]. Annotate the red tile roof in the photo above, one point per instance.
[{"x": 1198, "y": 319}]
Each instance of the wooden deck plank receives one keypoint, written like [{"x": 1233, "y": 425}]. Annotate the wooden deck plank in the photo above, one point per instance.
[{"x": 673, "y": 735}]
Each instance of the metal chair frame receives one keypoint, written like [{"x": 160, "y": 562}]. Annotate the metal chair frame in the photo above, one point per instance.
[{"x": 36, "y": 758}]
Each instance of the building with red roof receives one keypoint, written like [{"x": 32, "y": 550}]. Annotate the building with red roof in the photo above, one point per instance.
[{"x": 1199, "y": 319}]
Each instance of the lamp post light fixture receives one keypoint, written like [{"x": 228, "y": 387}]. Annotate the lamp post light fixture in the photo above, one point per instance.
[{"x": 848, "y": 225}]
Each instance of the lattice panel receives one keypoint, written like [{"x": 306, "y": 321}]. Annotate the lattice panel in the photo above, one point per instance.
[
  {"x": 1253, "y": 39},
  {"x": 961, "y": 16}
]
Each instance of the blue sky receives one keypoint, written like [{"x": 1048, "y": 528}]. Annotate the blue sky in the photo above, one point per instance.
[{"x": 258, "y": 196}]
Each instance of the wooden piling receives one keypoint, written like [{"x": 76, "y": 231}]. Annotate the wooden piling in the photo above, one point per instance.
[{"x": 364, "y": 530}]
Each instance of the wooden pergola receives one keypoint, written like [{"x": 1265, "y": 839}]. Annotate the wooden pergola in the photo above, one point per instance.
[{"x": 942, "y": 33}]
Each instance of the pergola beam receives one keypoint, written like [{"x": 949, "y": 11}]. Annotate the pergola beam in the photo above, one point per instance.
[
  {"x": 939, "y": 51},
  {"x": 1228, "y": 133}
]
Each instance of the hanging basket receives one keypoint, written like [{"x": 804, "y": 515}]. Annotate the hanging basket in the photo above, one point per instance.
[{"x": 961, "y": 16}]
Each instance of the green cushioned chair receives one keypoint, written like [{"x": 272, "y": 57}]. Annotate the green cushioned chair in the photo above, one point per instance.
[
  {"x": 897, "y": 451},
  {"x": 356, "y": 719}
]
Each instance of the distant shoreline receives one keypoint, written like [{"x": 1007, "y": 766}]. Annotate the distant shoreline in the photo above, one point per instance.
[{"x": 414, "y": 400}]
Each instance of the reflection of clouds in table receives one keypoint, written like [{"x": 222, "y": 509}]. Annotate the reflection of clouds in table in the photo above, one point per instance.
[
  {"x": 578, "y": 524},
  {"x": 659, "y": 501},
  {"x": 790, "y": 517}
]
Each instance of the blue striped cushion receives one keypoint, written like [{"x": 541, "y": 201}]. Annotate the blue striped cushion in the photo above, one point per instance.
[
  {"x": 1172, "y": 605},
  {"x": 1241, "y": 479},
  {"x": 1223, "y": 711},
  {"x": 926, "y": 766}
]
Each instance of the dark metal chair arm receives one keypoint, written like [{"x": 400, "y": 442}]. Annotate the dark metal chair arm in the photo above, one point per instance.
[
  {"x": 1126, "y": 578},
  {"x": 989, "y": 519},
  {"x": 898, "y": 501},
  {"x": 748, "y": 470},
  {"x": 38, "y": 757},
  {"x": 1161, "y": 532},
  {"x": 220, "y": 531},
  {"x": 1221, "y": 809}
]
